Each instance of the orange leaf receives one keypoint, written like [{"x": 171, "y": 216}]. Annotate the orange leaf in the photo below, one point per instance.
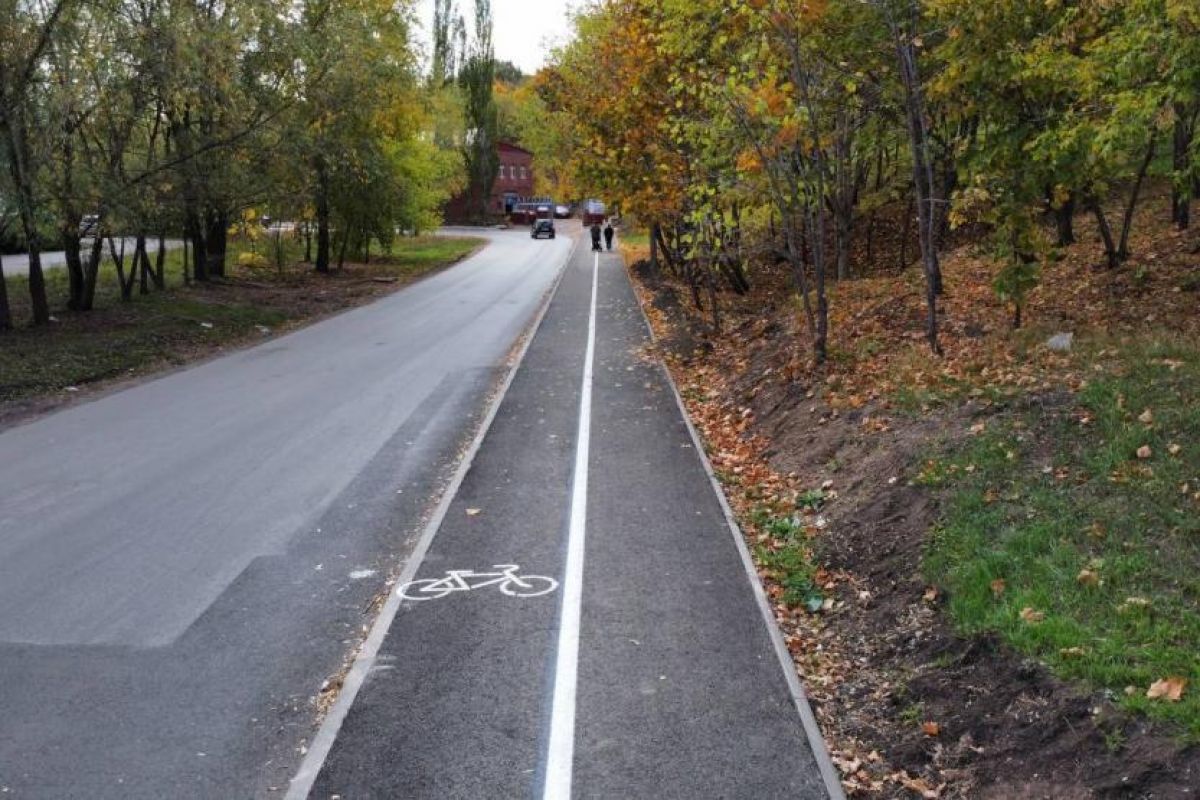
[
  {"x": 1169, "y": 689},
  {"x": 1031, "y": 616}
]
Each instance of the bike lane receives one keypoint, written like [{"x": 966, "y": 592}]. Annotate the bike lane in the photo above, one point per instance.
[{"x": 649, "y": 671}]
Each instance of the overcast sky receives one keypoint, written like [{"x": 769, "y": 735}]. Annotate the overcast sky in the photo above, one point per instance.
[{"x": 525, "y": 30}]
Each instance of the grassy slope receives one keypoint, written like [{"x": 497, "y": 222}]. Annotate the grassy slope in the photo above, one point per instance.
[{"x": 1101, "y": 544}]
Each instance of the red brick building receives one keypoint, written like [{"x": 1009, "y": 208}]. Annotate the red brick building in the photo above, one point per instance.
[{"x": 514, "y": 182}]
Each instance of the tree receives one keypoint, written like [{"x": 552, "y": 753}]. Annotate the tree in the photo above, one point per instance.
[
  {"x": 476, "y": 79},
  {"x": 27, "y": 31}
]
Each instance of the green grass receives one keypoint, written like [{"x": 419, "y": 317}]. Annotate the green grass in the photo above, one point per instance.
[
  {"x": 788, "y": 558},
  {"x": 635, "y": 238},
  {"x": 166, "y": 328},
  {"x": 1036, "y": 500}
]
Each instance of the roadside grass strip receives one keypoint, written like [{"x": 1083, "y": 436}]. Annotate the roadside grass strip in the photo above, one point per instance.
[
  {"x": 1073, "y": 532},
  {"x": 176, "y": 325}
]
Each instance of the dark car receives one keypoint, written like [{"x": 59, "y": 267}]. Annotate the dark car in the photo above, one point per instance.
[
  {"x": 543, "y": 227},
  {"x": 89, "y": 225}
]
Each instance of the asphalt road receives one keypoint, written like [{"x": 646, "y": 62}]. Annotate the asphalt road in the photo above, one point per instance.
[
  {"x": 18, "y": 264},
  {"x": 635, "y": 658},
  {"x": 183, "y": 563}
]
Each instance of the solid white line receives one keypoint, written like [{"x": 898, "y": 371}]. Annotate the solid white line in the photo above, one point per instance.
[
  {"x": 364, "y": 662},
  {"x": 560, "y": 753}
]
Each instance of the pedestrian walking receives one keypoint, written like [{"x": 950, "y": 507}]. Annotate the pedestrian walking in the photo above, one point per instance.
[
  {"x": 608, "y": 234},
  {"x": 596, "y": 236}
]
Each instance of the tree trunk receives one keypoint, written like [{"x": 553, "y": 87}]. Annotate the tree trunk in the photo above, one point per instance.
[
  {"x": 1110, "y": 246},
  {"x": 22, "y": 177},
  {"x": 195, "y": 232},
  {"x": 1127, "y": 222},
  {"x": 1181, "y": 193},
  {"x": 816, "y": 237},
  {"x": 160, "y": 263},
  {"x": 215, "y": 240},
  {"x": 923, "y": 179},
  {"x": 5, "y": 310},
  {"x": 322, "y": 208},
  {"x": 187, "y": 273},
  {"x": 1064, "y": 221},
  {"x": 141, "y": 261},
  {"x": 74, "y": 264},
  {"x": 119, "y": 262},
  {"x": 342, "y": 250},
  {"x": 654, "y": 234},
  {"x": 37, "y": 281},
  {"x": 669, "y": 255},
  {"x": 91, "y": 274}
]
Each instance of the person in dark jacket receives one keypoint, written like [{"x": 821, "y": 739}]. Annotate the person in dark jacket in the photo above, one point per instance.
[
  {"x": 596, "y": 236},
  {"x": 608, "y": 234}
]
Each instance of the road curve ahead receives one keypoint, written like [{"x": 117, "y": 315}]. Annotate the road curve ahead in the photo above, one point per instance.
[{"x": 183, "y": 563}]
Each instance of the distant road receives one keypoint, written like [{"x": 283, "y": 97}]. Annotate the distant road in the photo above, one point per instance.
[{"x": 19, "y": 264}]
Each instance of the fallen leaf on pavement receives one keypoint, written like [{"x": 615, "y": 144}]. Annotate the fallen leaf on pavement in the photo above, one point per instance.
[
  {"x": 474, "y": 512},
  {"x": 931, "y": 728}
]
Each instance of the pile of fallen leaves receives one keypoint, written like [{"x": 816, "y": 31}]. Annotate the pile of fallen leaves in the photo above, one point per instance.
[
  {"x": 877, "y": 324},
  {"x": 877, "y": 347}
]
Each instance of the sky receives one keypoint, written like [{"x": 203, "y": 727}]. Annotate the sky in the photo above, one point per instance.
[{"x": 524, "y": 30}]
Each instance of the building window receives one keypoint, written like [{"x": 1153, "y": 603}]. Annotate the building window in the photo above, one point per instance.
[{"x": 523, "y": 175}]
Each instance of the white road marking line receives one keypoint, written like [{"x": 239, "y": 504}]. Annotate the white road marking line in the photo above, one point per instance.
[
  {"x": 310, "y": 768},
  {"x": 560, "y": 753}
]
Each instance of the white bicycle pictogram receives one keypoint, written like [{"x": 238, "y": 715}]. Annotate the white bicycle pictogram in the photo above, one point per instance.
[{"x": 464, "y": 580}]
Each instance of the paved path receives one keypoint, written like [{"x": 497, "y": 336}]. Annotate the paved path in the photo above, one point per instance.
[
  {"x": 183, "y": 563},
  {"x": 18, "y": 264},
  {"x": 633, "y": 660}
]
